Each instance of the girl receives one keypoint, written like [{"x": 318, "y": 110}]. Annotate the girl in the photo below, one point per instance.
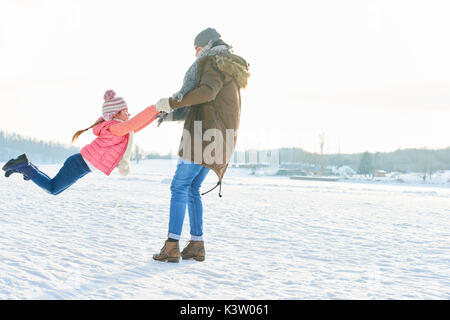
[{"x": 111, "y": 148}]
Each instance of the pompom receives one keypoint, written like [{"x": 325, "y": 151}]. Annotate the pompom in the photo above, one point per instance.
[
  {"x": 109, "y": 95},
  {"x": 124, "y": 169}
]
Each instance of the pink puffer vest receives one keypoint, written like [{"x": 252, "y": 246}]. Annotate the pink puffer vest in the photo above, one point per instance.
[{"x": 106, "y": 151}]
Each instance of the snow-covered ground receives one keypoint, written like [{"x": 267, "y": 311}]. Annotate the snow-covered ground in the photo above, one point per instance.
[{"x": 267, "y": 238}]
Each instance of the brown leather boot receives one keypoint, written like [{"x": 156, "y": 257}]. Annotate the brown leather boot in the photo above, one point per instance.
[
  {"x": 194, "y": 250},
  {"x": 169, "y": 253}
]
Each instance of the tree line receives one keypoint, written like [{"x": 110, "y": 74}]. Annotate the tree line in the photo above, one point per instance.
[
  {"x": 13, "y": 145},
  {"x": 402, "y": 160}
]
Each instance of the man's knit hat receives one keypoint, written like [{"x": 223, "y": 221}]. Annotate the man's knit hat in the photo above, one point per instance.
[
  {"x": 112, "y": 105},
  {"x": 207, "y": 35}
]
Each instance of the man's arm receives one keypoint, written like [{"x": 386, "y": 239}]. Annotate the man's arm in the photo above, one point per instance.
[{"x": 211, "y": 82}]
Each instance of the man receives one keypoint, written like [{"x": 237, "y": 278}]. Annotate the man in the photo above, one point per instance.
[{"x": 211, "y": 88}]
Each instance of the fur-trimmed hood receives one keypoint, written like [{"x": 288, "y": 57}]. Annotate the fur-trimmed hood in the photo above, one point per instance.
[{"x": 234, "y": 66}]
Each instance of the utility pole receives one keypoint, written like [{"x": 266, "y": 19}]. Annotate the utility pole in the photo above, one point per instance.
[{"x": 322, "y": 142}]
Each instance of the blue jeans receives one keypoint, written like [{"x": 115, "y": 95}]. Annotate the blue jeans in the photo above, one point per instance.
[
  {"x": 73, "y": 169},
  {"x": 185, "y": 189}
]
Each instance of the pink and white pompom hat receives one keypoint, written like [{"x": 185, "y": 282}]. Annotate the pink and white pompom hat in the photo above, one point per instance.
[{"x": 112, "y": 105}]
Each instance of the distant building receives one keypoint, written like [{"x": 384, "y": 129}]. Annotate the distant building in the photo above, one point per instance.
[
  {"x": 256, "y": 157},
  {"x": 380, "y": 173}
]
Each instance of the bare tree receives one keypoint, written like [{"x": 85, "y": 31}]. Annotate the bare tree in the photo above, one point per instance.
[{"x": 322, "y": 142}]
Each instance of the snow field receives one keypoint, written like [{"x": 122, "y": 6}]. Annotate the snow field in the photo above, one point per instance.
[{"x": 267, "y": 238}]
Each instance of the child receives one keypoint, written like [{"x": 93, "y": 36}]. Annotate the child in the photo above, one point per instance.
[{"x": 111, "y": 148}]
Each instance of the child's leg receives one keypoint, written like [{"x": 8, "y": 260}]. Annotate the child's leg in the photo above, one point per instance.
[{"x": 73, "y": 169}]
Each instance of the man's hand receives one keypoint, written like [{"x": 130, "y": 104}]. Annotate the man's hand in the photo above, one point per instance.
[
  {"x": 161, "y": 116},
  {"x": 163, "y": 105}
]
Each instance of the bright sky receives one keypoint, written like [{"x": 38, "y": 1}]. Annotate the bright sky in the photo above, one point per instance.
[{"x": 371, "y": 75}]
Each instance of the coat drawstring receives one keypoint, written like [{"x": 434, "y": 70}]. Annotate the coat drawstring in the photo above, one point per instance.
[{"x": 219, "y": 183}]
